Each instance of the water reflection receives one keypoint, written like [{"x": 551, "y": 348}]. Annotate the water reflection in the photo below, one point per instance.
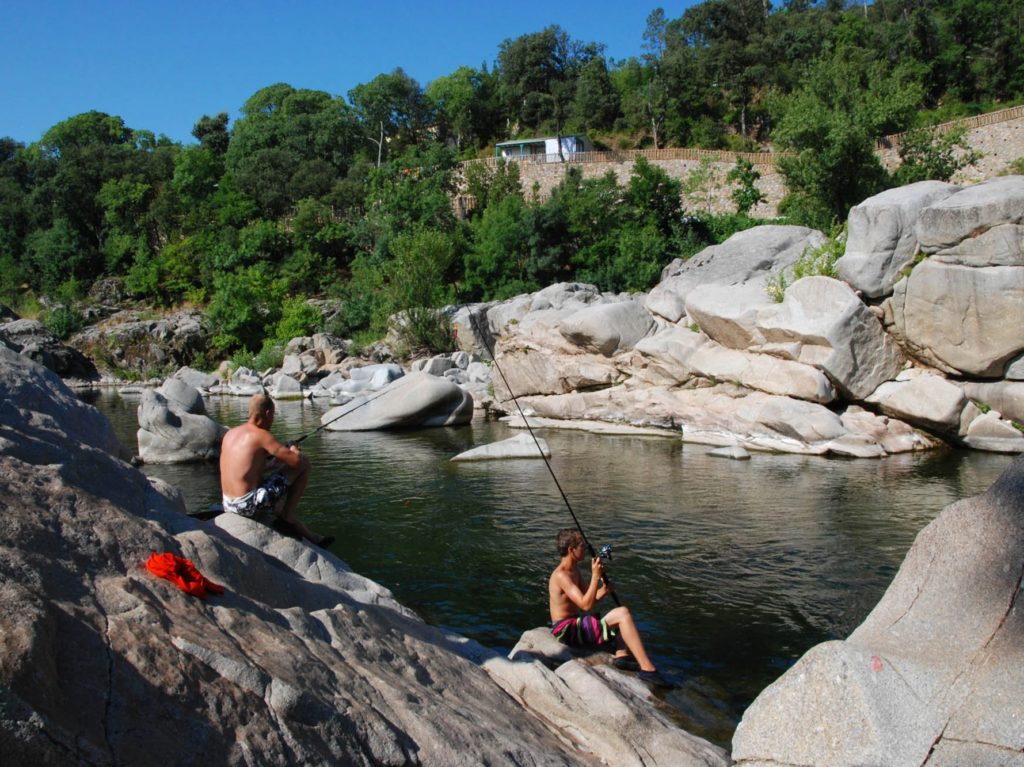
[{"x": 733, "y": 569}]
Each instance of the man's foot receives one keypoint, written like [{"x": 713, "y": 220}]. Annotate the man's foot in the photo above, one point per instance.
[
  {"x": 655, "y": 678},
  {"x": 285, "y": 527},
  {"x": 625, "y": 663}
]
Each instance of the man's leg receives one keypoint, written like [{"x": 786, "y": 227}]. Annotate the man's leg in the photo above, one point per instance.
[
  {"x": 622, "y": 621},
  {"x": 297, "y": 481}
]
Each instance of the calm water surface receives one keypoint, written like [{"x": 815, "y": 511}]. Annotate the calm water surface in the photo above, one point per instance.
[{"x": 733, "y": 569}]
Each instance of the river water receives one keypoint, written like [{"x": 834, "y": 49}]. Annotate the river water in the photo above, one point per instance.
[{"x": 733, "y": 569}]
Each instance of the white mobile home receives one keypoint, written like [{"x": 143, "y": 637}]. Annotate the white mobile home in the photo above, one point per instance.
[{"x": 543, "y": 149}]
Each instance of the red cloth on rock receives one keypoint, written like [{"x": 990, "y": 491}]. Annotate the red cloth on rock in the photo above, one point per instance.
[{"x": 183, "y": 574}]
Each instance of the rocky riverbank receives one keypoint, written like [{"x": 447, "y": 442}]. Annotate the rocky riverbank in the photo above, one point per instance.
[{"x": 300, "y": 661}]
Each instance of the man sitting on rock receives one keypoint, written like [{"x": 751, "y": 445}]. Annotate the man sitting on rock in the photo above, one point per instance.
[
  {"x": 246, "y": 452},
  {"x": 566, "y": 600}
]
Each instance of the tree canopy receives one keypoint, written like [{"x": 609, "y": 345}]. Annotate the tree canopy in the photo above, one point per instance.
[{"x": 309, "y": 193}]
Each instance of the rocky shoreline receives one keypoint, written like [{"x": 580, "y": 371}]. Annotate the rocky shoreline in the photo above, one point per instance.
[
  {"x": 917, "y": 344},
  {"x": 302, "y": 660}
]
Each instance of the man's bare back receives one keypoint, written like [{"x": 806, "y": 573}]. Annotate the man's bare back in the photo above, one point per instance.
[{"x": 244, "y": 453}]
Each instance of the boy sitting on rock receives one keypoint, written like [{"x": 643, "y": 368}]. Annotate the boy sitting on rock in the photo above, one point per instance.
[{"x": 571, "y": 622}]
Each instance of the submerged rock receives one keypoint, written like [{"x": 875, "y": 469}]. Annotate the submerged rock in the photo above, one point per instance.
[{"x": 519, "y": 446}]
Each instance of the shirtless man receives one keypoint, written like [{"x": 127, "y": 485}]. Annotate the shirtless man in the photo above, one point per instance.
[
  {"x": 567, "y": 599},
  {"x": 245, "y": 453}
]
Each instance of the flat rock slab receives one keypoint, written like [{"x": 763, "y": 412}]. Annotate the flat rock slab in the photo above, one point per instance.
[{"x": 519, "y": 446}]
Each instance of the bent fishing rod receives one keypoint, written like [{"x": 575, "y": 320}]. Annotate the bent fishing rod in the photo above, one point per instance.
[{"x": 605, "y": 552}]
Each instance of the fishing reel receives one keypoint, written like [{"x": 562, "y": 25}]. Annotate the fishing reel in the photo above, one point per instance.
[{"x": 605, "y": 552}]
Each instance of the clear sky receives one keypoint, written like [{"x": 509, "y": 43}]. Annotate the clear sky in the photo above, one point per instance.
[{"x": 163, "y": 65}]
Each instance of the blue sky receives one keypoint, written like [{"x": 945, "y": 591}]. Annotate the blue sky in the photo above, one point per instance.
[{"x": 161, "y": 66}]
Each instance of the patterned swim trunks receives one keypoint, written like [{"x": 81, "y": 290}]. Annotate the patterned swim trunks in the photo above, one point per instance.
[
  {"x": 259, "y": 500},
  {"x": 582, "y": 630}
]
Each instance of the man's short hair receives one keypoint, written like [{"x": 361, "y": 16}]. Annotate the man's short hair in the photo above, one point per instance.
[
  {"x": 568, "y": 538},
  {"x": 260, "y": 404}
]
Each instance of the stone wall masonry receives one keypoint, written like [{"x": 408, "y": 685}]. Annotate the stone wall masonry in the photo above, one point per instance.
[{"x": 999, "y": 136}]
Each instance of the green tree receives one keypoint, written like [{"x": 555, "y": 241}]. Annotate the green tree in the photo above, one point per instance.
[
  {"x": 464, "y": 105},
  {"x": 393, "y": 111},
  {"x": 290, "y": 144},
  {"x": 830, "y": 125},
  {"x": 927, "y": 153},
  {"x": 417, "y": 287},
  {"x": 746, "y": 194},
  {"x": 538, "y": 75}
]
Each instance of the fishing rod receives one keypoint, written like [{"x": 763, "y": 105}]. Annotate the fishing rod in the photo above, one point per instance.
[
  {"x": 338, "y": 417},
  {"x": 606, "y": 551}
]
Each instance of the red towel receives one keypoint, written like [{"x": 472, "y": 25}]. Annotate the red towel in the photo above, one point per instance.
[{"x": 183, "y": 574}]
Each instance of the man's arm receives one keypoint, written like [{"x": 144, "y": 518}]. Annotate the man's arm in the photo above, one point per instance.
[{"x": 289, "y": 455}]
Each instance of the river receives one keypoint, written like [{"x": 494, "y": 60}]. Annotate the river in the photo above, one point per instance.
[{"x": 733, "y": 569}]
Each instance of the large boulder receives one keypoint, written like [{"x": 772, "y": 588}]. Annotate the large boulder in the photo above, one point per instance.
[
  {"x": 608, "y": 329},
  {"x": 881, "y": 240},
  {"x": 677, "y": 355},
  {"x": 300, "y": 661},
  {"x": 971, "y": 212},
  {"x": 934, "y": 675},
  {"x": 961, "y": 310},
  {"x": 174, "y": 427},
  {"x": 34, "y": 340},
  {"x": 748, "y": 256},
  {"x": 413, "y": 401},
  {"x": 822, "y": 322},
  {"x": 925, "y": 399}
]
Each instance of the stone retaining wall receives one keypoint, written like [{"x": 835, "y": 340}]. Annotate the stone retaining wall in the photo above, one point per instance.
[{"x": 998, "y": 135}]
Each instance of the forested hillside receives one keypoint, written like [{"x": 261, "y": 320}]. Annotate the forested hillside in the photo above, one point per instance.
[{"x": 348, "y": 196}]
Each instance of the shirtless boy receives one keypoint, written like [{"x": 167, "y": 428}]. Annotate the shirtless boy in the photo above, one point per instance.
[
  {"x": 569, "y": 604},
  {"x": 250, "y": 449}
]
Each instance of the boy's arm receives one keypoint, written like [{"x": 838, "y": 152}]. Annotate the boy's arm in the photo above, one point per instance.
[{"x": 584, "y": 601}]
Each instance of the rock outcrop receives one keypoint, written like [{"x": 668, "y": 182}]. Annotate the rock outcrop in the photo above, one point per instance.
[
  {"x": 962, "y": 309},
  {"x": 34, "y": 340},
  {"x": 174, "y": 426},
  {"x": 935, "y": 674},
  {"x": 128, "y": 342},
  {"x": 300, "y": 661}
]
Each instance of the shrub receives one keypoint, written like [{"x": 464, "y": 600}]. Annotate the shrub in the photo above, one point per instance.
[{"x": 815, "y": 261}]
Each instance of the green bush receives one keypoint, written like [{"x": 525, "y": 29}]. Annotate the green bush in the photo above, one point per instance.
[
  {"x": 270, "y": 355},
  {"x": 298, "y": 318},
  {"x": 244, "y": 304},
  {"x": 64, "y": 321},
  {"x": 814, "y": 262}
]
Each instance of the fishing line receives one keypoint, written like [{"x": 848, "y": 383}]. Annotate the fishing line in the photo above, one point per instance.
[{"x": 540, "y": 450}]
